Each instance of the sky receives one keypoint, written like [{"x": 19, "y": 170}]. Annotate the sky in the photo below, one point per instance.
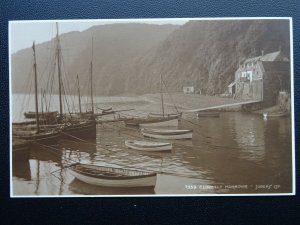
[{"x": 23, "y": 33}]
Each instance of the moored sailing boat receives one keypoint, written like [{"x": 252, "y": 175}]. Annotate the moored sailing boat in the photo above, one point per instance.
[
  {"x": 36, "y": 134},
  {"x": 74, "y": 128}
]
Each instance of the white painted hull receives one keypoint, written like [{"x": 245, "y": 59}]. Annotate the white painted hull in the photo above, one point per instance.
[
  {"x": 167, "y": 123},
  {"x": 149, "y": 146},
  {"x": 188, "y": 135},
  {"x": 158, "y": 115},
  {"x": 125, "y": 182}
]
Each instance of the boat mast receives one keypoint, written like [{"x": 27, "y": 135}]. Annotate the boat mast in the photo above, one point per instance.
[
  {"x": 162, "y": 95},
  {"x": 42, "y": 96},
  {"x": 79, "y": 102},
  {"x": 36, "y": 91},
  {"x": 59, "y": 72},
  {"x": 92, "y": 101}
]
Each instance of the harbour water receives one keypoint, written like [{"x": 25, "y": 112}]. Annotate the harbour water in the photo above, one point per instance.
[{"x": 234, "y": 154}]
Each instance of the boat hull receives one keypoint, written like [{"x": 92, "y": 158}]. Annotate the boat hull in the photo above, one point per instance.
[
  {"x": 81, "y": 131},
  {"x": 208, "y": 114},
  {"x": 158, "y": 115},
  {"x": 166, "y": 123},
  {"x": 49, "y": 139},
  {"x": 125, "y": 182},
  {"x": 153, "y": 148},
  {"x": 168, "y": 134},
  {"x": 150, "y": 120},
  {"x": 272, "y": 115}
]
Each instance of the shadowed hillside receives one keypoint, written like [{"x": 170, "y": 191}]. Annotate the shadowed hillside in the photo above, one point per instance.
[
  {"x": 115, "y": 47},
  {"x": 207, "y": 53}
]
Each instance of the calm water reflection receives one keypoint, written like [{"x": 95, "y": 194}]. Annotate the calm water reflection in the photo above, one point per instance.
[{"x": 235, "y": 149}]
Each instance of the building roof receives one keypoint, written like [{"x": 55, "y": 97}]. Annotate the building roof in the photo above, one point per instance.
[
  {"x": 277, "y": 66},
  {"x": 270, "y": 57}
]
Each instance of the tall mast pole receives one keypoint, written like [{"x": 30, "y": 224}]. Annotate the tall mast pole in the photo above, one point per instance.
[
  {"x": 59, "y": 71},
  {"x": 92, "y": 101},
  {"x": 79, "y": 102},
  {"x": 162, "y": 96},
  {"x": 42, "y": 96},
  {"x": 36, "y": 91}
]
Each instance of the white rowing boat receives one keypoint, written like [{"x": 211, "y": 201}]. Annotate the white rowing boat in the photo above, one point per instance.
[
  {"x": 148, "y": 145},
  {"x": 159, "y": 115},
  {"x": 112, "y": 177},
  {"x": 167, "y": 134},
  {"x": 165, "y": 122}
]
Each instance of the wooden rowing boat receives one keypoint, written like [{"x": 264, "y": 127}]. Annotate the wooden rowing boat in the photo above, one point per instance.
[
  {"x": 148, "y": 145},
  {"x": 112, "y": 177},
  {"x": 159, "y": 115},
  {"x": 151, "y": 122},
  {"x": 160, "y": 122},
  {"x": 276, "y": 114},
  {"x": 208, "y": 114},
  {"x": 167, "y": 134}
]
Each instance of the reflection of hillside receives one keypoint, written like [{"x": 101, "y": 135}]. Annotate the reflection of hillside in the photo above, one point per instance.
[
  {"x": 235, "y": 149},
  {"x": 249, "y": 136},
  {"x": 279, "y": 151}
]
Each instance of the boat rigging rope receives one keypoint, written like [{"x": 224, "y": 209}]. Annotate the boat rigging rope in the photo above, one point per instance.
[{"x": 170, "y": 96}]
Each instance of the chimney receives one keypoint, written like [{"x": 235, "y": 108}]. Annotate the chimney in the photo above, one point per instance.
[
  {"x": 280, "y": 48},
  {"x": 262, "y": 52}
]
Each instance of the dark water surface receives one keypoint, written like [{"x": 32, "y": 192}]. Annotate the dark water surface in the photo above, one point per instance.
[{"x": 236, "y": 153}]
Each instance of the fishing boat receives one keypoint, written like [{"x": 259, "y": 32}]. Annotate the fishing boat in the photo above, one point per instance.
[
  {"x": 148, "y": 145},
  {"x": 167, "y": 134},
  {"x": 112, "y": 177},
  {"x": 45, "y": 136},
  {"x": 83, "y": 128},
  {"x": 208, "y": 114}
]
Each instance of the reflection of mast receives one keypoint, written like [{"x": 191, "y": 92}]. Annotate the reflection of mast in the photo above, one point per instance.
[
  {"x": 61, "y": 180},
  {"x": 36, "y": 91},
  {"x": 79, "y": 102},
  {"x": 37, "y": 177},
  {"x": 59, "y": 71},
  {"x": 92, "y": 101}
]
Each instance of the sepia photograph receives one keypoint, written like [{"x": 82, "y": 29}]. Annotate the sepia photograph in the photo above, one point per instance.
[{"x": 151, "y": 107}]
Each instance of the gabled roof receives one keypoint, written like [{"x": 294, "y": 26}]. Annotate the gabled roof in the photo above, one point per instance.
[
  {"x": 276, "y": 66},
  {"x": 270, "y": 57}
]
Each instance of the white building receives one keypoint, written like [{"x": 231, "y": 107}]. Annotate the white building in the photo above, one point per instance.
[{"x": 188, "y": 89}]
